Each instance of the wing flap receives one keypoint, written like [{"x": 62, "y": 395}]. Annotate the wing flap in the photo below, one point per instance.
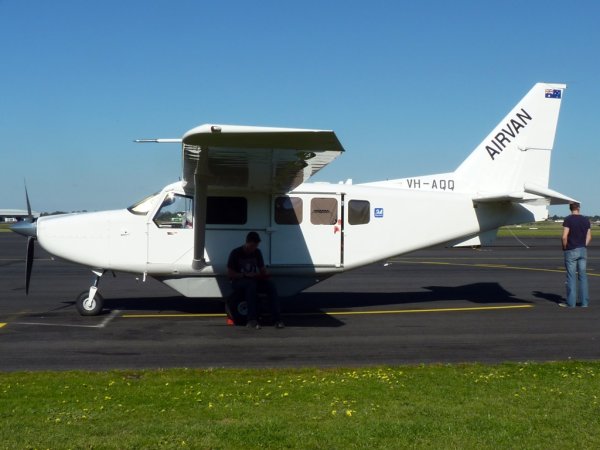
[{"x": 256, "y": 158}]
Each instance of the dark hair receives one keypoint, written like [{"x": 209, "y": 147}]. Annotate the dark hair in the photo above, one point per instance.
[
  {"x": 253, "y": 237},
  {"x": 574, "y": 206}
]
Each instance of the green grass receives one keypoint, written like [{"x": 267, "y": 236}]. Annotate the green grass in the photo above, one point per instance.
[
  {"x": 539, "y": 229},
  {"x": 4, "y": 227},
  {"x": 536, "y": 406}
]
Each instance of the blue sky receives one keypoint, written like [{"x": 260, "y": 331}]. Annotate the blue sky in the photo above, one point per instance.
[{"x": 409, "y": 87}]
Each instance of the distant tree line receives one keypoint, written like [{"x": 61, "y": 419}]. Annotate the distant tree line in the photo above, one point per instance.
[
  {"x": 595, "y": 218},
  {"x": 56, "y": 213}
]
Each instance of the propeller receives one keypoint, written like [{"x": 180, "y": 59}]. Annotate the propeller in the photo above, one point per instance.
[
  {"x": 29, "y": 215},
  {"x": 28, "y": 228},
  {"x": 29, "y": 262}
]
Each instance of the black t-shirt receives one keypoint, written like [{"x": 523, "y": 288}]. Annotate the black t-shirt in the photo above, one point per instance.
[
  {"x": 242, "y": 262},
  {"x": 578, "y": 227}
]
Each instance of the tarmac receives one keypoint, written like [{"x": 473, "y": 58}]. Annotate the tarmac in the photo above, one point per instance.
[{"x": 439, "y": 305}]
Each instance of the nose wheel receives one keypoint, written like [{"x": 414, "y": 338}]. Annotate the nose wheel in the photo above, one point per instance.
[
  {"x": 90, "y": 303},
  {"x": 89, "y": 306}
]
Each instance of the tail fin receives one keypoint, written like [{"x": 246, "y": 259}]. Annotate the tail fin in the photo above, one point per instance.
[{"x": 517, "y": 152}]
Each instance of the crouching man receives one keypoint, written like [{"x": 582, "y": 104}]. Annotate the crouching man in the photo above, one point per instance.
[{"x": 249, "y": 276}]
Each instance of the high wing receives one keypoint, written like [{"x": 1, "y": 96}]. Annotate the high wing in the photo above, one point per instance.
[{"x": 273, "y": 160}]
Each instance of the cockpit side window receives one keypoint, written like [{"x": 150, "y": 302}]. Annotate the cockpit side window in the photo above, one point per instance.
[{"x": 176, "y": 211}]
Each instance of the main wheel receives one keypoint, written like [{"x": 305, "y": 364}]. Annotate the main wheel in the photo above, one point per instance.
[
  {"x": 237, "y": 310},
  {"x": 87, "y": 306}
]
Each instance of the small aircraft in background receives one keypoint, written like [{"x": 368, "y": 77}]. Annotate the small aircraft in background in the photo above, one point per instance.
[{"x": 241, "y": 178}]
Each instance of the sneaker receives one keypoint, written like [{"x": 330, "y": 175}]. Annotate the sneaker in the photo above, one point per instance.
[
  {"x": 253, "y": 324},
  {"x": 584, "y": 306},
  {"x": 279, "y": 324},
  {"x": 564, "y": 305}
]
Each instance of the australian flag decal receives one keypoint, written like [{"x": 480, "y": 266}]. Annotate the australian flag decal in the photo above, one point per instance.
[{"x": 553, "y": 93}]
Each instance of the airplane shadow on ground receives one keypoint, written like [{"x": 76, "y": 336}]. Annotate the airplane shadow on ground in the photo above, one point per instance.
[
  {"x": 478, "y": 293},
  {"x": 308, "y": 309}
]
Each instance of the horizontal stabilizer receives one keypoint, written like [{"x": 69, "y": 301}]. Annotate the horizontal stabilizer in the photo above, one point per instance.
[
  {"x": 556, "y": 198},
  {"x": 531, "y": 194}
]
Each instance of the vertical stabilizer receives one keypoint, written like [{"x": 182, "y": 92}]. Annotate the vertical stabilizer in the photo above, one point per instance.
[{"x": 518, "y": 150}]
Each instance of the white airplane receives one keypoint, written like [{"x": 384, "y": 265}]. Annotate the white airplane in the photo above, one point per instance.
[{"x": 239, "y": 178}]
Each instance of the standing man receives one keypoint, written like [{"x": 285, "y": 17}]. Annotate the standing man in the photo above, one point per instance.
[
  {"x": 576, "y": 236},
  {"x": 248, "y": 275}
]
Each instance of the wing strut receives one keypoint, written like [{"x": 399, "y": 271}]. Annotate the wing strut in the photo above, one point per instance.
[{"x": 200, "y": 192}]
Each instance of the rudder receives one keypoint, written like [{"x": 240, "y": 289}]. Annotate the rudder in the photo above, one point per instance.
[{"x": 518, "y": 150}]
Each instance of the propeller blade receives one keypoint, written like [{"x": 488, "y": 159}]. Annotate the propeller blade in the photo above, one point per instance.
[
  {"x": 29, "y": 262},
  {"x": 29, "y": 215}
]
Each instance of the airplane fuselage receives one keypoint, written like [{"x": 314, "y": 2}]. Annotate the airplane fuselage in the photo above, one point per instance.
[{"x": 315, "y": 231}]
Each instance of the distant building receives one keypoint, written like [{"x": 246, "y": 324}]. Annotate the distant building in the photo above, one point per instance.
[{"x": 15, "y": 215}]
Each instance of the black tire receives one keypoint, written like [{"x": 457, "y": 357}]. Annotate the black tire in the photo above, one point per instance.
[
  {"x": 237, "y": 310},
  {"x": 92, "y": 308}
]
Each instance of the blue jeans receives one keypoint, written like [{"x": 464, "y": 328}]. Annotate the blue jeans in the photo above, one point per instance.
[{"x": 576, "y": 265}]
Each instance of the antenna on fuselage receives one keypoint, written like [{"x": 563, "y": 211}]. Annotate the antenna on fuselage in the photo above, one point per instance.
[{"x": 158, "y": 141}]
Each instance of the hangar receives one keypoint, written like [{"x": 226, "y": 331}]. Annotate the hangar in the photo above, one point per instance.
[{"x": 15, "y": 215}]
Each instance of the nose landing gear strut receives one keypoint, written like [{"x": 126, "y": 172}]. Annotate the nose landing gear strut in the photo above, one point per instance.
[{"x": 90, "y": 303}]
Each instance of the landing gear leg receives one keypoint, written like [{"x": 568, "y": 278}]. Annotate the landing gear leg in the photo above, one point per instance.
[{"x": 90, "y": 303}]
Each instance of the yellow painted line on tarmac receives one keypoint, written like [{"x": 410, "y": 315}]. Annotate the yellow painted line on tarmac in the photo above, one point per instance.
[
  {"x": 340, "y": 313},
  {"x": 161, "y": 316},
  {"x": 432, "y": 310},
  {"x": 492, "y": 266},
  {"x": 3, "y": 325},
  {"x": 470, "y": 258},
  {"x": 499, "y": 258}
]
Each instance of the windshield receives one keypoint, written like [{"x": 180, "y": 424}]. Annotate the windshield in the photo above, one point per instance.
[{"x": 142, "y": 207}]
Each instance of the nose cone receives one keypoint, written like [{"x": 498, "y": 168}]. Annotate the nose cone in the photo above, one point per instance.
[{"x": 28, "y": 229}]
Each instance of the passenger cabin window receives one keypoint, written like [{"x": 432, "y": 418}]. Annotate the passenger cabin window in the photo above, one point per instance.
[
  {"x": 226, "y": 210},
  {"x": 176, "y": 211},
  {"x": 288, "y": 210},
  {"x": 359, "y": 212},
  {"x": 323, "y": 211}
]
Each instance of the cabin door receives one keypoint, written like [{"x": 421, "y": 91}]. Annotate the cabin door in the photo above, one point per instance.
[
  {"x": 307, "y": 230},
  {"x": 170, "y": 233}
]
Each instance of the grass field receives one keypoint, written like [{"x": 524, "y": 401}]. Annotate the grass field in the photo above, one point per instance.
[
  {"x": 539, "y": 229},
  {"x": 534, "y": 406}
]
